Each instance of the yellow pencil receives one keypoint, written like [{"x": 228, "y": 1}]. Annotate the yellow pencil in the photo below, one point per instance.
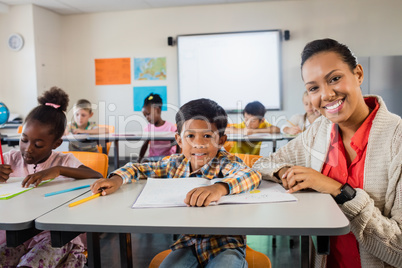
[
  {"x": 291, "y": 123},
  {"x": 84, "y": 200}
]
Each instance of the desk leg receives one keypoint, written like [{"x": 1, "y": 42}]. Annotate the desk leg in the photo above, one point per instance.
[
  {"x": 274, "y": 146},
  {"x": 116, "y": 154},
  {"x": 305, "y": 251},
  {"x": 126, "y": 256},
  {"x": 94, "y": 258},
  {"x": 16, "y": 238}
]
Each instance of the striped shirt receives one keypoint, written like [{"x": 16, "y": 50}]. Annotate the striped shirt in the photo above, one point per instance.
[{"x": 237, "y": 175}]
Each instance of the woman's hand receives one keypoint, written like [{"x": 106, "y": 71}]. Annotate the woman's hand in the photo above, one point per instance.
[
  {"x": 5, "y": 171},
  {"x": 40, "y": 176},
  {"x": 203, "y": 196},
  {"x": 107, "y": 186},
  {"x": 297, "y": 178}
]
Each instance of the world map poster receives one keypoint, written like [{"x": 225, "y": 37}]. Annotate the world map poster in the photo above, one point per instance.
[{"x": 150, "y": 68}]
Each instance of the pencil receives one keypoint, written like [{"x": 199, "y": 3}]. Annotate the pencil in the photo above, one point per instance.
[
  {"x": 84, "y": 200},
  {"x": 1, "y": 154},
  {"x": 67, "y": 190},
  {"x": 291, "y": 123}
]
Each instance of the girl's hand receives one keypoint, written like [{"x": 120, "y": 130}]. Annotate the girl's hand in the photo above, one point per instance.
[
  {"x": 107, "y": 186},
  {"x": 5, "y": 171},
  {"x": 40, "y": 176},
  {"x": 298, "y": 178},
  {"x": 203, "y": 196},
  {"x": 293, "y": 130}
]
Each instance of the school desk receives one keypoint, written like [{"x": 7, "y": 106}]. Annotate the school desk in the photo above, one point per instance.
[
  {"x": 17, "y": 214},
  {"x": 314, "y": 214},
  {"x": 13, "y": 140},
  {"x": 170, "y": 136}
]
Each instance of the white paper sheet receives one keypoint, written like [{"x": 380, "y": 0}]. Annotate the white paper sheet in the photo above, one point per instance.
[{"x": 172, "y": 192}]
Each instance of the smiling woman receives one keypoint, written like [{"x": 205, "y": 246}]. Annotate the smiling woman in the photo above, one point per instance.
[{"x": 347, "y": 154}]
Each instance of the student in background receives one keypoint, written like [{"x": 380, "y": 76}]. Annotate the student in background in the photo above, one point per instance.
[
  {"x": 36, "y": 161},
  {"x": 81, "y": 125},
  {"x": 200, "y": 134},
  {"x": 300, "y": 122},
  {"x": 152, "y": 110},
  {"x": 353, "y": 152},
  {"x": 254, "y": 122}
]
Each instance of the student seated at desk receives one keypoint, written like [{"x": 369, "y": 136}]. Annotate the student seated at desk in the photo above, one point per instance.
[
  {"x": 81, "y": 125},
  {"x": 300, "y": 122},
  {"x": 254, "y": 122},
  {"x": 36, "y": 161},
  {"x": 353, "y": 152},
  {"x": 201, "y": 125},
  {"x": 152, "y": 110}
]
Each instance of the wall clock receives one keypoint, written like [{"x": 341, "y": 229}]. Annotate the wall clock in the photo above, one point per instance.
[{"x": 15, "y": 42}]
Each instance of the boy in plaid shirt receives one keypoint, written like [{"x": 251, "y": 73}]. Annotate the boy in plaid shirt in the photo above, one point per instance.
[{"x": 201, "y": 126}]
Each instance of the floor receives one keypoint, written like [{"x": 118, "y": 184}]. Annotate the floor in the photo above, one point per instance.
[{"x": 146, "y": 246}]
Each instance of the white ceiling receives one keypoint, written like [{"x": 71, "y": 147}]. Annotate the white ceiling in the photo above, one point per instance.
[{"x": 67, "y": 7}]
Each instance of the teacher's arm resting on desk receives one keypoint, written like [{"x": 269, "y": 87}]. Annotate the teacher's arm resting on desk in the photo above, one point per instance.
[{"x": 82, "y": 172}]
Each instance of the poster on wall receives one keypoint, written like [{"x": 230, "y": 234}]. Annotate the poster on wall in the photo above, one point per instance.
[
  {"x": 115, "y": 71},
  {"x": 140, "y": 93},
  {"x": 150, "y": 68}
]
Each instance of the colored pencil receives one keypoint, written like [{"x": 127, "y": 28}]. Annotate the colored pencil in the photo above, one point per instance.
[
  {"x": 67, "y": 190},
  {"x": 84, "y": 200},
  {"x": 1, "y": 154},
  {"x": 291, "y": 123}
]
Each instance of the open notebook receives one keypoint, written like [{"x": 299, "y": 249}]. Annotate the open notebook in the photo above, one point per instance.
[
  {"x": 13, "y": 187},
  {"x": 171, "y": 193}
]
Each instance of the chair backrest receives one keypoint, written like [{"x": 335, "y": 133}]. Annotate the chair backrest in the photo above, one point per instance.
[
  {"x": 249, "y": 159},
  {"x": 109, "y": 127},
  {"x": 97, "y": 161},
  {"x": 111, "y": 130}
]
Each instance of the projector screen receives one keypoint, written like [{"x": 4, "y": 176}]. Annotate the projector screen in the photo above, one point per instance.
[{"x": 232, "y": 69}]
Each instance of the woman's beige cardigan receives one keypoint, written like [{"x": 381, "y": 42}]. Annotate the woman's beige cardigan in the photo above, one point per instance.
[{"x": 375, "y": 214}]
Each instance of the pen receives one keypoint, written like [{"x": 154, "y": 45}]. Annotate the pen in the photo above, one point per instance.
[{"x": 67, "y": 190}]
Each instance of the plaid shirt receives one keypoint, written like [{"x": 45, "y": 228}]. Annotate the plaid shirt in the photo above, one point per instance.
[{"x": 236, "y": 174}]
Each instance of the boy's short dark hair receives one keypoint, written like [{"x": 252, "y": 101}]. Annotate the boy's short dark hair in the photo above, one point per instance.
[
  {"x": 202, "y": 109},
  {"x": 255, "y": 108},
  {"x": 153, "y": 99}
]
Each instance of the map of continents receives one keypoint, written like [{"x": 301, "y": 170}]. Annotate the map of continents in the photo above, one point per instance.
[{"x": 150, "y": 68}]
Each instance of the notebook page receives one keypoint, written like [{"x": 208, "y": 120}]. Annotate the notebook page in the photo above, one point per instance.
[
  {"x": 167, "y": 192},
  {"x": 267, "y": 192}
]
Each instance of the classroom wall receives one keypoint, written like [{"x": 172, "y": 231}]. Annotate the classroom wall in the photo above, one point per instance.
[
  {"x": 18, "y": 88},
  {"x": 369, "y": 27},
  {"x": 48, "y": 49}
]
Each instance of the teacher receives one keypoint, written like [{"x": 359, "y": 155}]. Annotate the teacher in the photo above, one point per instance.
[{"x": 353, "y": 152}]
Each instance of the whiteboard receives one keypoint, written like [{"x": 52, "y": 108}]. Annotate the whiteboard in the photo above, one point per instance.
[{"x": 232, "y": 69}]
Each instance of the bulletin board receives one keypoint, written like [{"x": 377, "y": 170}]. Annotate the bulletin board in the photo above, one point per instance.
[{"x": 115, "y": 71}]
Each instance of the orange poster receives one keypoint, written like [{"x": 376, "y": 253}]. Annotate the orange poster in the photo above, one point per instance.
[{"x": 112, "y": 71}]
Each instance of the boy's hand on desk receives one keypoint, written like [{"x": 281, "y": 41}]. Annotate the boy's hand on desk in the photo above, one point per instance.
[
  {"x": 5, "y": 171},
  {"x": 203, "y": 196},
  {"x": 40, "y": 176},
  {"x": 107, "y": 186}
]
